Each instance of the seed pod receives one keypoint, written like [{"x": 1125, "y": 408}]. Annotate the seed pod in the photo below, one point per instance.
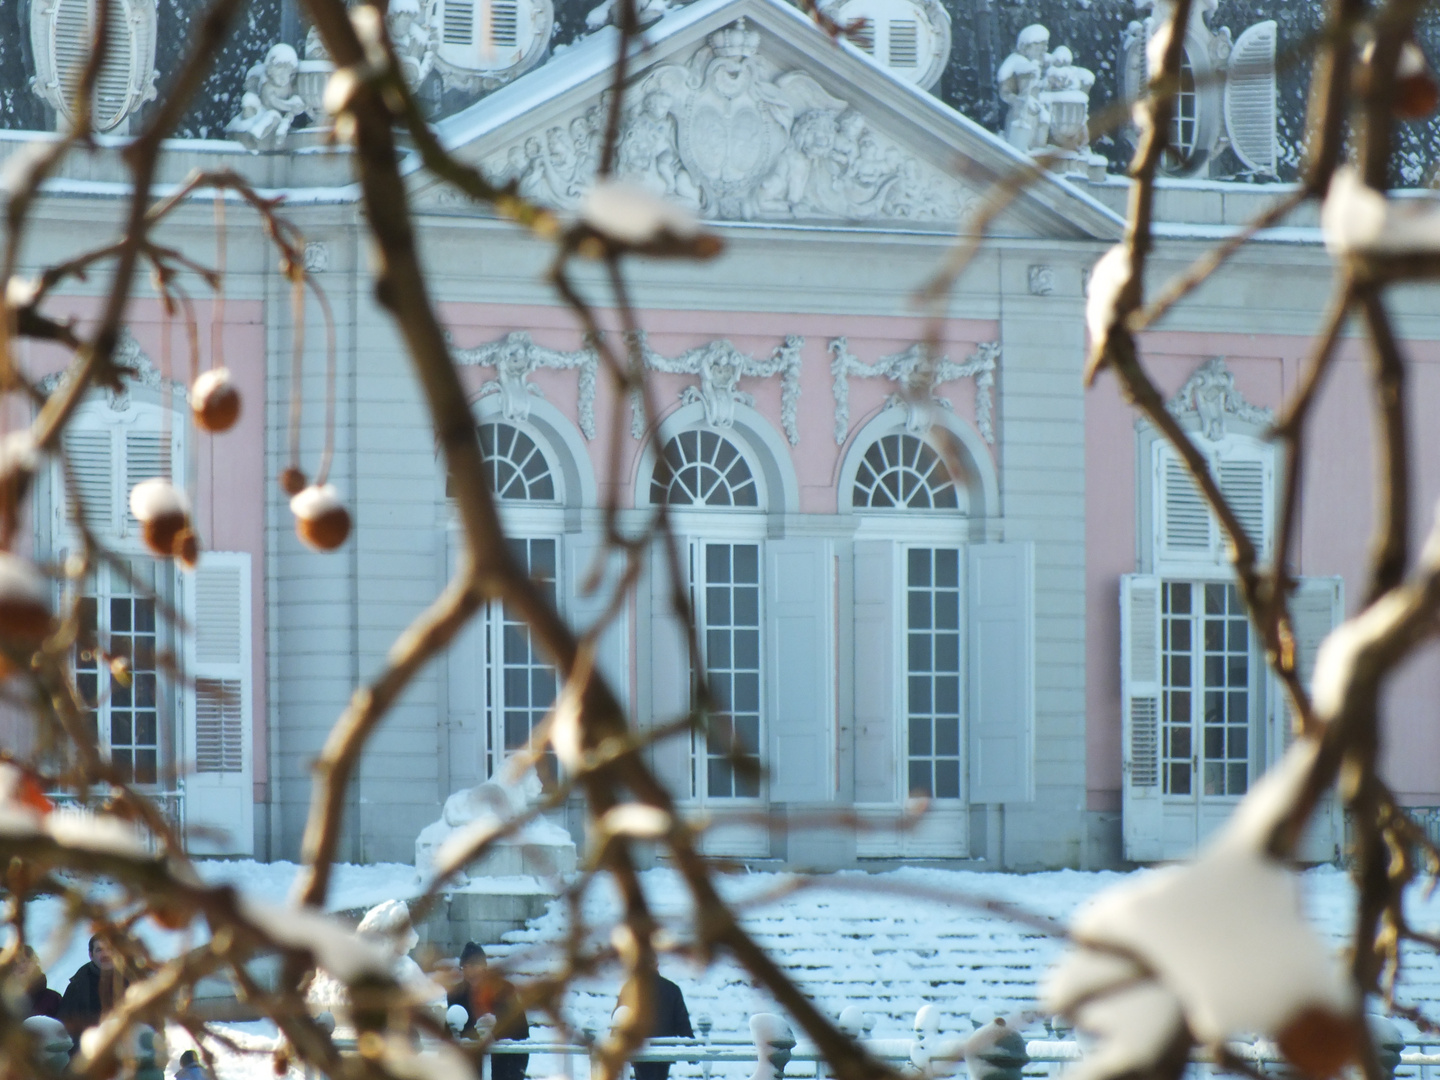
[
  {"x": 24, "y": 601},
  {"x": 163, "y": 513},
  {"x": 215, "y": 401},
  {"x": 292, "y": 481},
  {"x": 1320, "y": 1042},
  {"x": 321, "y": 519}
]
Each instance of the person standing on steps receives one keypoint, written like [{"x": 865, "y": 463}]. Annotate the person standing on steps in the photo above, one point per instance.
[
  {"x": 672, "y": 1021},
  {"x": 483, "y": 992}
]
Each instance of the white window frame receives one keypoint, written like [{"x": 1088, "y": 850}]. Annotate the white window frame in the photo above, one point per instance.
[
  {"x": 698, "y": 551},
  {"x": 526, "y": 520},
  {"x": 115, "y": 420}
]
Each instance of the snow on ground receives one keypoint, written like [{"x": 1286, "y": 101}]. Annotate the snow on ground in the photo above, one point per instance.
[{"x": 888, "y": 942}]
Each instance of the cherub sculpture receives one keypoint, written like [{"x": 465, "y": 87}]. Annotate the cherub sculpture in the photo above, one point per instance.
[
  {"x": 270, "y": 103},
  {"x": 1020, "y": 82}
]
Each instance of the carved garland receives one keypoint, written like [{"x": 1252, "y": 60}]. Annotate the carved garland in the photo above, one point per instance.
[
  {"x": 516, "y": 357},
  {"x": 1211, "y": 396},
  {"x": 138, "y": 368},
  {"x": 720, "y": 367},
  {"x": 917, "y": 378}
]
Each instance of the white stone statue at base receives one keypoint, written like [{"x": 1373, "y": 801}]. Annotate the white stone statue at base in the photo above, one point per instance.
[
  {"x": 540, "y": 848},
  {"x": 388, "y": 926}
]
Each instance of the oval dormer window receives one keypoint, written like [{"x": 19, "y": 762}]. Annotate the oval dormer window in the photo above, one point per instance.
[
  {"x": 492, "y": 39},
  {"x": 909, "y": 38},
  {"x": 62, "y": 33}
]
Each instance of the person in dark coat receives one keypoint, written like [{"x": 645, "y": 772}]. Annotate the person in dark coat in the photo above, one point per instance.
[
  {"x": 672, "y": 1021},
  {"x": 191, "y": 1069},
  {"x": 93, "y": 990},
  {"x": 483, "y": 992},
  {"x": 40, "y": 999}
]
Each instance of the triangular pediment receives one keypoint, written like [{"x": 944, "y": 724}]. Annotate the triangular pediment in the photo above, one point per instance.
[{"x": 745, "y": 111}]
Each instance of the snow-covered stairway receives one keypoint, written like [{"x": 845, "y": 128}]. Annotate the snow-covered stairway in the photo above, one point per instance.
[{"x": 887, "y": 943}]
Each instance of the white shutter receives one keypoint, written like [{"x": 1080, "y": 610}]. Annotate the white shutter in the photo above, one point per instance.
[
  {"x": 113, "y": 85},
  {"x": 147, "y": 455},
  {"x": 1250, "y": 110},
  {"x": 665, "y": 677},
  {"x": 874, "y": 668},
  {"x": 586, "y": 610},
  {"x": 1185, "y": 529},
  {"x": 1316, "y": 608},
  {"x": 1247, "y": 480},
  {"x": 1001, "y": 589},
  {"x": 466, "y": 671},
  {"x": 799, "y": 678},
  {"x": 219, "y": 798},
  {"x": 91, "y": 454},
  {"x": 1142, "y": 807}
]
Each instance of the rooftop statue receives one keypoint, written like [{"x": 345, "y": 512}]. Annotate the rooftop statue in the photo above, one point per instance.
[
  {"x": 270, "y": 103},
  {"x": 1048, "y": 100}
]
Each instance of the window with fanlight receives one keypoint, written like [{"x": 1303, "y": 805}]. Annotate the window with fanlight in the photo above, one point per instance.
[
  {"x": 707, "y": 472},
  {"x": 903, "y": 471},
  {"x": 520, "y": 684}
]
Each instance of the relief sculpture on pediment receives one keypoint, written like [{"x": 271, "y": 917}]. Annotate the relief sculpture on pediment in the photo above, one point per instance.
[{"x": 733, "y": 137}]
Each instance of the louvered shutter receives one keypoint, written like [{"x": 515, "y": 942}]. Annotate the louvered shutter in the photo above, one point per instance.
[
  {"x": 1247, "y": 480},
  {"x": 113, "y": 94},
  {"x": 1001, "y": 590},
  {"x": 665, "y": 677},
  {"x": 874, "y": 669},
  {"x": 125, "y": 75},
  {"x": 1142, "y": 808},
  {"x": 90, "y": 452},
  {"x": 586, "y": 610},
  {"x": 148, "y": 454},
  {"x": 1316, "y": 608},
  {"x": 457, "y": 22},
  {"x": 1250, "y": 109},
  {"x": 219, "y": 800},
  {"x": 1184, "y": 526},
  {"x": 799, "y": 683}
]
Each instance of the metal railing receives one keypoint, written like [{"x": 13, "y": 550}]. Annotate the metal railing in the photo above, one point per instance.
[{"x": 928, "y": 1054}]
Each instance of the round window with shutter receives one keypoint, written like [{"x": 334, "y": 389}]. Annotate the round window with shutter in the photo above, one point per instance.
[
  {"x": 909, "y": 38},
  {"x": 62, "y": 35},
  {"x": 483, "y": 43}
]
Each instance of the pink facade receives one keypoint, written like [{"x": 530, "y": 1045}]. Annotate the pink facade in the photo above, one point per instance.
[
  {"x": 229, "y": 474},
  {"x": 671, "y": 332},
  {"x": 1336, "y": 522}
]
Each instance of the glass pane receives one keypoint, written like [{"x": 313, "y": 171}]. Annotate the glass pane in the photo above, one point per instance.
[
  {"x": 920, "y": 693},
  {"x": 920, "y": 778},
  {"x": 918, "y": 566},
  {"x": 717, "y": 648},
  {"x": 919, "y": 735},
  {"x": 747, "y": 564},
  {"x": 717, "y": 564},
  {"x": 747, "y": 606},
  {"x": 947, "y": 568},
  {"x": 947, "y": 779},
  {"x": 747, "y": 649},
  {"x": 947, "y": 737}
]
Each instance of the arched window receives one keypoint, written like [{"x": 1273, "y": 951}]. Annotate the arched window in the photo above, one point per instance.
[
  {"x": 904, "y": 472},
  {"x": 704, "y": 469},
  {"x": 517, "y": 466},
  {"x": 1184, "y": 124}
]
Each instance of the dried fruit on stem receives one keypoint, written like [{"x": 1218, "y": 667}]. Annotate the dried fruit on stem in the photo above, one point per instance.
[
  {"x": 24, "y": 601},
  {"x": 164, "y": 516},
  {"x": 215, "y": 401},
  {"x": 321, "y": 519}
]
